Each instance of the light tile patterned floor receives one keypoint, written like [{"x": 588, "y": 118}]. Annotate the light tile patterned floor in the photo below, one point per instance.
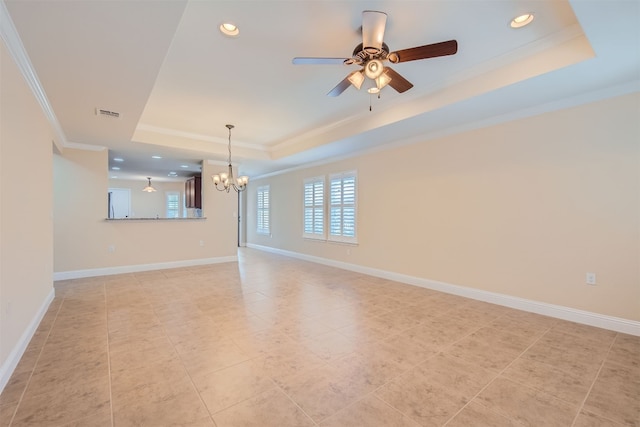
[{"x": 273, "y": 341}]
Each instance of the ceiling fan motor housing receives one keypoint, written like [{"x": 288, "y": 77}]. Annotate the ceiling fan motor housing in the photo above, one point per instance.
[{"x": 361, "y": 54}]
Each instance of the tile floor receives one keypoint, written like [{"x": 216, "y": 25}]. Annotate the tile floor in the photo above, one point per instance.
[{"x": 273, "y": 341}]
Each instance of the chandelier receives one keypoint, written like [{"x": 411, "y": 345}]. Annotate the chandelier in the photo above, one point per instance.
[{"x": 225, "y": 181}]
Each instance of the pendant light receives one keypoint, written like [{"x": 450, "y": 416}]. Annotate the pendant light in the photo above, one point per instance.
[{"x": 149, "y": 188}]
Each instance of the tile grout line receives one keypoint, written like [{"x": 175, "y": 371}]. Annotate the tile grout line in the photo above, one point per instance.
[
  {"x": 164, "y": 331},
  {"x": 106, "y": 315},
  {"x": 593, "y": 383},
  {"x": 498, "y": 375},
  {"x": 15, "y": 411},
  {"x": 295, "y": 403},
  {"x": 440, "y": 350}
]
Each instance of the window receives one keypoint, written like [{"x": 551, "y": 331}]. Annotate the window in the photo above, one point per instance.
[
  {"x": 263, "y": 210},
  {"x": 331, "y": 216},
  {"x": 342, "y": 207},
  {"x": 173, "y": 204},
  {"x": 314, "y": 208}
]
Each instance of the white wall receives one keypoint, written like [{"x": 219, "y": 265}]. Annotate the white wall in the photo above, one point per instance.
[
  {"x": 26, "y": 237},
  {"x": 83, "y": 239},
  {"x": 523, "y": 209}
]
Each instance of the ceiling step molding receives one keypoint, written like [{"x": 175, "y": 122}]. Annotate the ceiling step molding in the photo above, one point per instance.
[{"x": 17, "y": 51}]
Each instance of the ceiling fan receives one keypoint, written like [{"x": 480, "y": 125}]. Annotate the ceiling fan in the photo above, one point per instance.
[{"x": 372, "y": 52}]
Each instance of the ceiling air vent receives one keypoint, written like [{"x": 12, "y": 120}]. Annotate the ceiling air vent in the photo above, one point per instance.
[{"x": 107, "y": 113}]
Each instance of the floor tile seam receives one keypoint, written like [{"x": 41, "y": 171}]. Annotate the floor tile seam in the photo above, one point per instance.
[
  {"x": 498, "y": 375},
  {"x": 622, "y": 364},
  {"x": 15, "y": 411},
  {"x": 589, "y": 364},
  {"x": 580, "y": 334},
  {"x": 617, "y": 423},
  {"x": 547, "y": 364},
  {"x": 283, "y": 391},
  {"x": 593, "y": 383},
  {"x": 493, "y": 411},
  {"x": 389, "y": 405},
  {"x": 447, "y": 347},
  {"x": 539, "y": 390},
  {"x": 596, "y": 342},
  {"x": 380, "y": 398},
  {"x": 184, "y": 367},
  {"x": 393, "y": 378},
  {"x": 374, "y": 396},
  {"x": 106, "y": 316},
  {"x": 245, "y": 399},
  {"x": 576, "y": 407}
]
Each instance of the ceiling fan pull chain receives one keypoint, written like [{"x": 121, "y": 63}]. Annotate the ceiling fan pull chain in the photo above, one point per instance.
[{"x": 370, "y": 102}]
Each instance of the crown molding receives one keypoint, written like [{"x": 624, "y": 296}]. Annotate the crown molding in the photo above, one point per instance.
[
  {"x": 196, "y": 136},
  {"x": 16, "y": 49},
  {"x": 86, "y": 147}
]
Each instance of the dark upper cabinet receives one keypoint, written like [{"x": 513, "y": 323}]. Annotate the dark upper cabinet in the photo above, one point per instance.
[{"x": 193, "y": 192}]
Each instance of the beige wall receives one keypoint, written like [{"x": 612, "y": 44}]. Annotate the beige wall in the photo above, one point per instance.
[
  {"x": 149, "y": 205},
  {"x": 26, "y": 238},
  {"x": 525, "y": 209},
  {"x": 82, "y": 236}
]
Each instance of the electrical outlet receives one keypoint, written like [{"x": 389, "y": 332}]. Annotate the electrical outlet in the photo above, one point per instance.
[
  {"x": 111, "y": 248},
  {"x": 201, "y": 242},
  {"x": 591, "y": 278}
]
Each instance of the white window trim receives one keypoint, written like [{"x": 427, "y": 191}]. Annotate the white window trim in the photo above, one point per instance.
[
  {"x": 166, "y": 203},
  {"x": 342, "y": 239},
  {"x": 327, "y": 237},
  {"x": 262, "y": 230},
  {"x": 315, "y": 236}
]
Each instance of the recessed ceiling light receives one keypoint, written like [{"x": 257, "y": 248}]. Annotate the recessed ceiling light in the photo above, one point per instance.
[
  {"x": 156, "y": 157},
  {"x": 184, "y": 166},
  {"x": 118, "y": 159},
  {"x": 115, "y": 168},
  {"x": 229, "y": 29},
  {"x": 114, "y": 176},
  {"x": 522, "y": 20},
  {"x": 172, "y": 174}
]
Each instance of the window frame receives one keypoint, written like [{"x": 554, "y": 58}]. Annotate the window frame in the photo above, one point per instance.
[
  {"x": 178, "y": 208},
  {"x": 261, "y": 209},
  {"x": 326, "y": 206},
  {"x": 354, "y": 206},
  {"x": 314, "y": 206}
]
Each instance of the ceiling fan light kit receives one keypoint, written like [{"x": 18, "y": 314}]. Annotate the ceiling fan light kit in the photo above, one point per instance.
[
  {"x": 371, "y": 54},
  {"x": 356, "y": 78}
]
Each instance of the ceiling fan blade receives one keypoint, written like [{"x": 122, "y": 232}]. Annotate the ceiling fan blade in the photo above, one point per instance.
[
  {"x": 399, "y": 83},
  {"x": 319, "y": 61},
  {"x": 341, "y": 87},
  {"x": 423, "y": 52},
  {"x": 373, "y": 25}
]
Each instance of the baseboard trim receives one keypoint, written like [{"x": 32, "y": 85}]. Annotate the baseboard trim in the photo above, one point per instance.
[
  {"x": 7, "y": 368},
  {"x": 617, "y": 324},
  {"x": 109, "y": 271}
]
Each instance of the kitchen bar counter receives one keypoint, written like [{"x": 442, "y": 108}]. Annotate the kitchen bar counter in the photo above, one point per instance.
[{"x": 155, "y": 219}]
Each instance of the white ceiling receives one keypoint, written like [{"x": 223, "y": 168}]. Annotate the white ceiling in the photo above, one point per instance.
[{"x": 176, "y": 80}]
